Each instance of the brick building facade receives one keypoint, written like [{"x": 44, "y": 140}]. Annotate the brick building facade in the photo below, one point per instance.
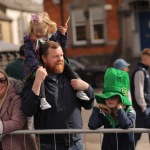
[{"x": 93, "y": 29}]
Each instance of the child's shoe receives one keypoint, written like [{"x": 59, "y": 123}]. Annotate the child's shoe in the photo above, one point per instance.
[
  {"x": 44, "y": 104},
  {"x": 82, "y": 95}
]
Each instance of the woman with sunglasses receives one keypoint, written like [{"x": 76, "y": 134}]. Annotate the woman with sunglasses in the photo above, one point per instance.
[{"x": 12, "y": 117}]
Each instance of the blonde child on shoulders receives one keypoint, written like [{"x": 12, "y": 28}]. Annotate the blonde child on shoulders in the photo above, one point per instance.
[{"x": 42, "y": 29}]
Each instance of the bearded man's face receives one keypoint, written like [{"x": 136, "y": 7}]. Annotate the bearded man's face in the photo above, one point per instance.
[
  {"x": 58, "y": 67},
  {"x": 54, "y": 61}
]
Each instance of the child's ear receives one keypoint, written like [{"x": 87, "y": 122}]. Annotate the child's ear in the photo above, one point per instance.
[{"x": 49, "y": 29}]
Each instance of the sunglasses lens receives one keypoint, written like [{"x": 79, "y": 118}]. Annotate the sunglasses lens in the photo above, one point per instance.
[{"x": 2, "y": 80}]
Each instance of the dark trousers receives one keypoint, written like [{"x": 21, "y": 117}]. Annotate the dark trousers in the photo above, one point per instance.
[
  {"x": 140, "y": 116},
  {"x": 63, "y": 146},
  {"x": 1, "y": 146}
]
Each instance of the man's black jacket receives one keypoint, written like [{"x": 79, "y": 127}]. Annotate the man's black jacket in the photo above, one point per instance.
[{"x": 65, "y": 112}]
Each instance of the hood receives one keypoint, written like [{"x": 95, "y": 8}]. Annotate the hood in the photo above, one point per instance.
[{"x": 13, "y": 84}]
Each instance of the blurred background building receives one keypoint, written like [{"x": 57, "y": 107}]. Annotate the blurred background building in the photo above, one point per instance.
[
  {"x": 14, "y": 19},
  {"x": 99, "y": 31},
  {"x": 103, "y": 30}
]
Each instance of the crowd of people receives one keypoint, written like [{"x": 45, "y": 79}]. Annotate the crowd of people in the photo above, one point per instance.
[{"x": 41, "y": 91}]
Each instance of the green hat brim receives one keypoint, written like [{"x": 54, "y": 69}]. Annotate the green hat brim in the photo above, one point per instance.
[{"x": 100, "y": 98}]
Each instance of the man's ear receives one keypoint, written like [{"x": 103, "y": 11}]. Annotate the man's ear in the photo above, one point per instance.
[{"x": 43, "y": 58}]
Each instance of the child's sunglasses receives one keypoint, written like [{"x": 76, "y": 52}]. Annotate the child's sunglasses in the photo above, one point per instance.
[{"x": 2, "y": 80}]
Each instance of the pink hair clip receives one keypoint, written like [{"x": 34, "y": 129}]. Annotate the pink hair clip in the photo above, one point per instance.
[{"x": 36, "y": 18}]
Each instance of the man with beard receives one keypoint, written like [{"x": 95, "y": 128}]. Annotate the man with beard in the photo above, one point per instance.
[{"x": 65, "y": 112}]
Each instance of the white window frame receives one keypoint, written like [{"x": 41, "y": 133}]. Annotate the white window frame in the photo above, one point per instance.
[
  {"x": 100, "y": 21},
  {"x": 74, "y": 25},
  {"x": 20, "y": 31}
]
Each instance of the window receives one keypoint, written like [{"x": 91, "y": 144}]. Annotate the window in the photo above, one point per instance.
[
  {"x": 96, "y": 24},
  {"x": 79, "y": 27},
  {"x": 20, "y": 35},
  {"x": 92, "y": 23}
]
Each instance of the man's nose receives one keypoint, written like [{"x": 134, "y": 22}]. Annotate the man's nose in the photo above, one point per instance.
[{"x": 60, "y": 57}]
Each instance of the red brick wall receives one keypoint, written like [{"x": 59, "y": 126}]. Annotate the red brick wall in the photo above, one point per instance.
[{"x": 112, "y": 29}]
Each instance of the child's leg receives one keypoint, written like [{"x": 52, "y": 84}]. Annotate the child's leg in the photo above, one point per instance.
[
  {"x": 44, "y": 104},
  {"x": 69, "y": 72},
  {"x": 71, "y": 75}
]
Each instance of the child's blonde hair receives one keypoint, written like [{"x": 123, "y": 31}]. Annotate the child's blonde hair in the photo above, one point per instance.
[{"x": 42, "y": 17}]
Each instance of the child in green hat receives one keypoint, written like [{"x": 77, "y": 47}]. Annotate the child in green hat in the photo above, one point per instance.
[{"x": 119, "y": 112}]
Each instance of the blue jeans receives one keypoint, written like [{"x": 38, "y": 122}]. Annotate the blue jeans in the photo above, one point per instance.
[{"x": 76, "y": 146}]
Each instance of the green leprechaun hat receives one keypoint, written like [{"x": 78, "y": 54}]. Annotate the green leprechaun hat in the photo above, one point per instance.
[{"x": 116, "y": 82}]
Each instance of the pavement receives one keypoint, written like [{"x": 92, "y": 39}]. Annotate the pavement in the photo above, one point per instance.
[{"x": 93, "y": 141}]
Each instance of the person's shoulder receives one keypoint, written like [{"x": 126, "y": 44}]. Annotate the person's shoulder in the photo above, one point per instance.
[
  {"x": 26, "y": 36},
  {"x": 139, "y": 72},
  {"x": 11, "y": 64},
  {"x": 16, "y": 85},
  {"x": 56, "y": 33},
  {"x": 29, "y": 37},
  {"x": 28, "y": 81}
]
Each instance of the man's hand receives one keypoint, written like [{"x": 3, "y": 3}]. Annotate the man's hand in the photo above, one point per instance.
[
  {"x": 41, "y": 74},
  {"x": 79, "y": 85}
]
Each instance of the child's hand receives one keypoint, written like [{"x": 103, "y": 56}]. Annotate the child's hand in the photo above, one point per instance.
[
  {"x": 120, "y": 105},
  {"x": 104, "y": 108},
  {"x": 62, "y": 29}
]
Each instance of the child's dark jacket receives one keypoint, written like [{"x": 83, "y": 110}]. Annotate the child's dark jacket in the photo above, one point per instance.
[
  {"x": 32, "y": 59},
  {"x": 113, "y": 141}
]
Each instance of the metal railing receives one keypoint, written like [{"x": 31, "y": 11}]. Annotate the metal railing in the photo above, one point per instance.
[{"x": 84, "y": 133}]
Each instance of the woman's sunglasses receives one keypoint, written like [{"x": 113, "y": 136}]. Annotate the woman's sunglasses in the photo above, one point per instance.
[{"x": 2, "y": 80}]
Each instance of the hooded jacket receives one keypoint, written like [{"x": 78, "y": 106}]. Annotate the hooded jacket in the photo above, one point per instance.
[
  {"x": 12, "y": 119},
  {"x": 116, "y": 83},
  {"x": 113, "y": 141}
]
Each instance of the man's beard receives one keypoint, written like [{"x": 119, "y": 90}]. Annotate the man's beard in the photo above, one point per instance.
[{"x": 57, "y": 68}]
